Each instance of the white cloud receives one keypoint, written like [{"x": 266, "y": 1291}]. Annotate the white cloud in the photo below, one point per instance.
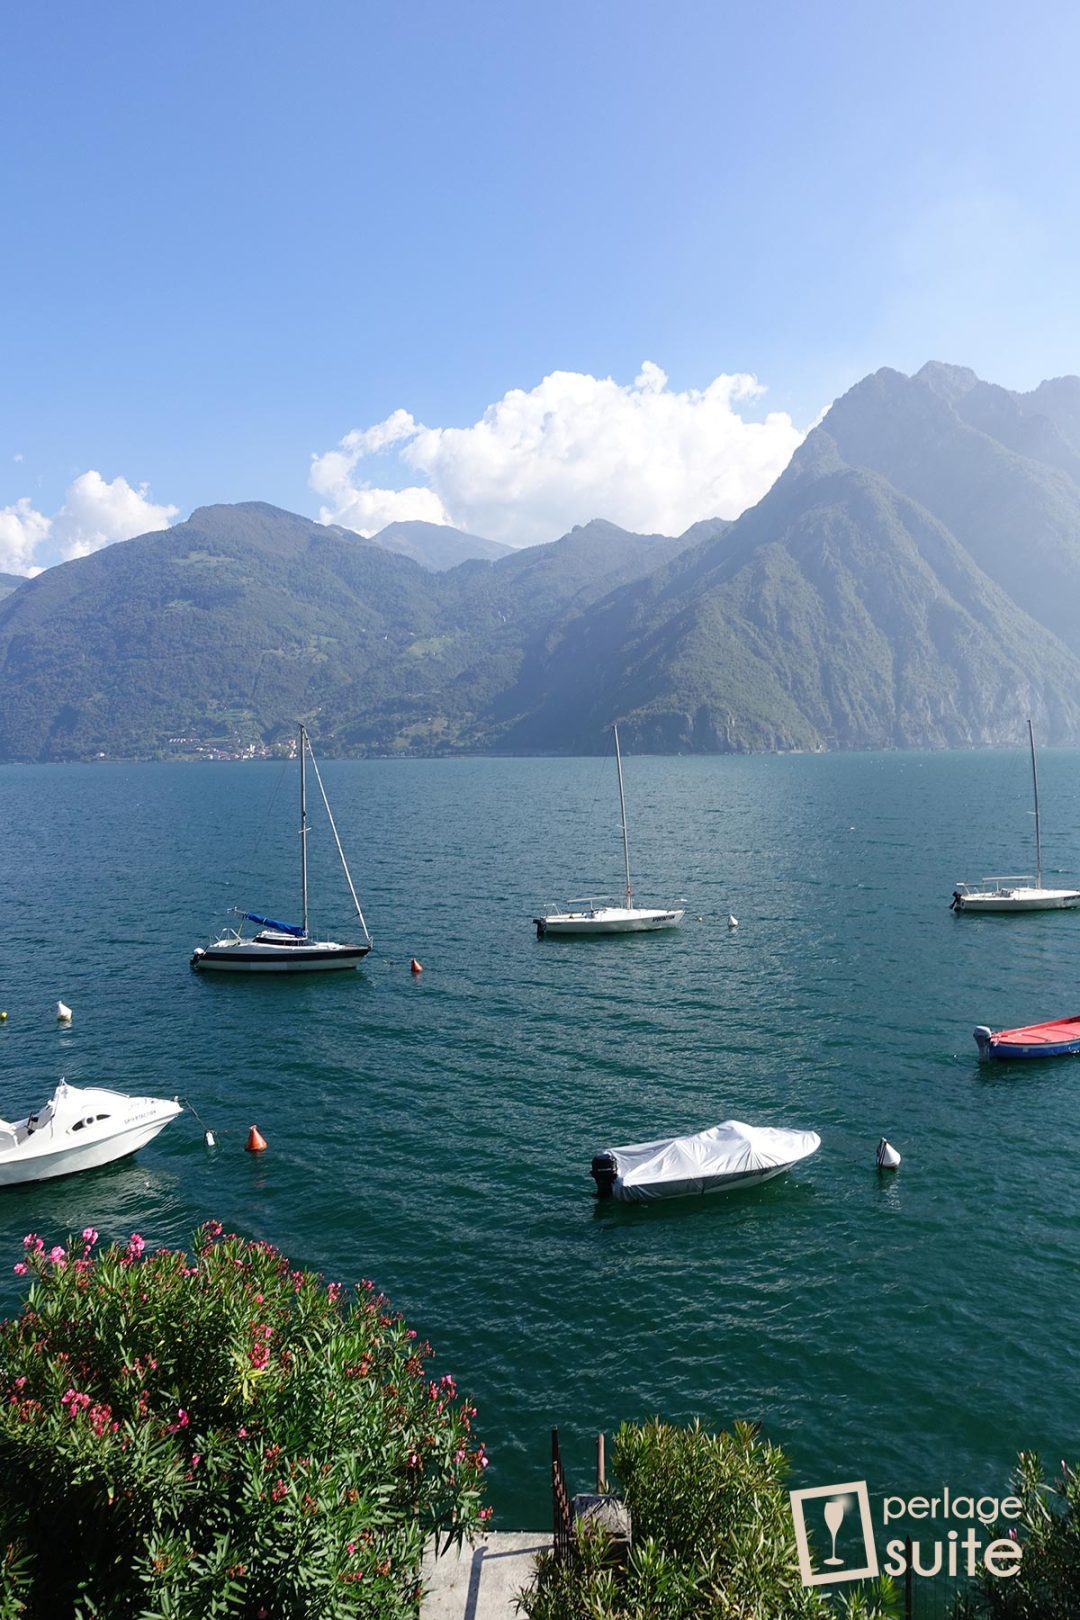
[
  {"x": 22, "y": 530},
  {"x": 94, "y": 514},
  {"x": 572, "y": 448}
]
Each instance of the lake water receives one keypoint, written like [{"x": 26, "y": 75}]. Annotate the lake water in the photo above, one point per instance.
[{"x": 435, "y": 1133}]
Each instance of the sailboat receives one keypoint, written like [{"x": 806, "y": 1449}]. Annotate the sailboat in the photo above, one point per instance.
[
  {"x": 282, "y": 947},
  {"x": 1022, "y": 893},
  {"x": 600, "y": 915}
]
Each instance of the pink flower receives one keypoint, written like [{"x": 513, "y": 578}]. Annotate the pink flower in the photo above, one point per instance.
[
  {"x": 19, "y": 1269},
  {"x": 57, "y": 1255},
  {"x": 181, "y": 1421},
  {"x": 196, "y": 1458},
  {"x": 351, "y": 1547},
  {"x": 29, "y": 1239},
  {"x": 136, "y": 1244},
  {"x": 242, "y": 1434},
  {"x": 89, "y": 1235}
]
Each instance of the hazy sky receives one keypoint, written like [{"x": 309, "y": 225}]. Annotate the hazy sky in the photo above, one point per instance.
[{"x": 241, "y": 235}]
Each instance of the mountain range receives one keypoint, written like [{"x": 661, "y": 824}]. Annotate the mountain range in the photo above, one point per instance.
[{"x": 911, "y": 580}]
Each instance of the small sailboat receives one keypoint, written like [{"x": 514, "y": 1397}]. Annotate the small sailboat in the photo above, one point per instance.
[
  {"x": 282, "y": 947},
  {"x": 718, "y": 1160},
  {"x": 1022, "y": 893},
  {"x": 1059, "y": 1037},
  {"x": 603, "y": 915},
  {"x": 79, "y": 1128}
]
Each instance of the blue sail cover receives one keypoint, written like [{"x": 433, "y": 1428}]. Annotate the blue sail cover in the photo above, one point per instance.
[{"x": 278, "y": 927}]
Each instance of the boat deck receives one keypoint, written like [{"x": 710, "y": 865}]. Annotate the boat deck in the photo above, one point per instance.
[{"x": 1057, "y": 1033}]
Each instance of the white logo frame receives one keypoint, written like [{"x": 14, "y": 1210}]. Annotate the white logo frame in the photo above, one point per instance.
[{"x": 812, "y": 1577}]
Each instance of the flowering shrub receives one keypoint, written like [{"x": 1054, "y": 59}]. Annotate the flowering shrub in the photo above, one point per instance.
[
  {"x": 1046, "y": 1585},
  {"x": 219, "y": 1436}
]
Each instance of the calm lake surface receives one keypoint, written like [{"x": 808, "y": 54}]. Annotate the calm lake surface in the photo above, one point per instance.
[{"x": 435, "y": 1134}]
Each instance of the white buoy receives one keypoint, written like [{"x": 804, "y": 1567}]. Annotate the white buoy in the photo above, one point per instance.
[
  {"x": 63, "y": 1014},
  {"x": 208, "y": 1138},
  {"x": 733, "y": 922},
  {"x": 887, "y": 1156}
]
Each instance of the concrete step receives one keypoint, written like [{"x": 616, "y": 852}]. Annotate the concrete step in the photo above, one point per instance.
[{"x": 480, "y": 1582}]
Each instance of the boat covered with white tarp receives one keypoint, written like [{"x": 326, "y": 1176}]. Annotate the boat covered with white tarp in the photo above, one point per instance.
[{"x": 718, "y": 1160}]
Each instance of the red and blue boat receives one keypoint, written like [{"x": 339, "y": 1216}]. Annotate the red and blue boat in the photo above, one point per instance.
[{"x": 1058, "y": 1038}]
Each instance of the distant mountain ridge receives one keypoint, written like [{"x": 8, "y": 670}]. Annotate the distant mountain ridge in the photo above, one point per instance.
[
  {"x": 434, "y": 545},
  {"x": 910, "y": 580}
]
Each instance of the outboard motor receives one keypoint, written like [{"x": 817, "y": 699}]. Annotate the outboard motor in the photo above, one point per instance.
[
  {"x": 604, "y": 1170},
  {"x": 954, "y": 904},
  {"x": 982, "y": 1036},
  {"x": 541, "y": 927}
]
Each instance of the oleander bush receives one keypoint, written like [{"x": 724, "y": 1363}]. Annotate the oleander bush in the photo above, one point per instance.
[
  {"x": 217, "y": 1436},
  {"x": 712, "y": 1539},
  {"x": 1046, "y": 1585}
]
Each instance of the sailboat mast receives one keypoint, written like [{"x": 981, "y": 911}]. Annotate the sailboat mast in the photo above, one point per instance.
[
  {"x": 1038, "y": 835},
  {"x": 301, "y": 743},
  {"x": 622, "y": 809}
]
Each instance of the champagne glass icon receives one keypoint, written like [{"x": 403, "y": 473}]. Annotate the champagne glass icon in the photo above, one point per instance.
[{"x": 834, "y": 1518}]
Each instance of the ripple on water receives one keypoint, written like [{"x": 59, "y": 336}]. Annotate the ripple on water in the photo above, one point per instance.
[{"x": 436, "y": 1133}]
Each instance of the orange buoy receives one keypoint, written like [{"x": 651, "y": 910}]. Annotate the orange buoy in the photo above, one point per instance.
[
  {"x": 414, "y": 966},
  {"x": 255, "y": 1143}
]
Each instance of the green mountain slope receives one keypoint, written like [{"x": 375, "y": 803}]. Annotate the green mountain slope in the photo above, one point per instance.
[
  {"x": 227, "y": 627},
  {"x": 1016, "y": 512},
  {"x": 836, "y": 613},
  {"x": 910, "y": 580}
]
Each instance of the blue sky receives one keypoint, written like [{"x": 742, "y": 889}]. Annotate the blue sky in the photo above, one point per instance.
[{"x": 236, "y": 232}]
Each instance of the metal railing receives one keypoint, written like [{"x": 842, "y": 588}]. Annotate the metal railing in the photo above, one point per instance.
[{"x": 562, "y": 1519}]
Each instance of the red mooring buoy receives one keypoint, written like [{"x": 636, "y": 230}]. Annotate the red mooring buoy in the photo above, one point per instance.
[
  {"x": 414, "y": 966},
  {"x": 256, "y": 1143}
]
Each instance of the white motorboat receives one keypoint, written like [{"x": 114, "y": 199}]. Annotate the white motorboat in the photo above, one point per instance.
[
  {"x": 601, "y": 915},
  {"x": 1022, "y": 893},
  {"x": 728, "y": 1156},
  {"x": 79, "y": 1128},
  {"x": 282, "y": 947}
]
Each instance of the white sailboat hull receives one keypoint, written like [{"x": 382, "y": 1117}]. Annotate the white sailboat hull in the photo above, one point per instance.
[
  {"x": 609, "y": 920},
  {"x": 249, "y": 956},
  {"x": 1020, "y": 900}
]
